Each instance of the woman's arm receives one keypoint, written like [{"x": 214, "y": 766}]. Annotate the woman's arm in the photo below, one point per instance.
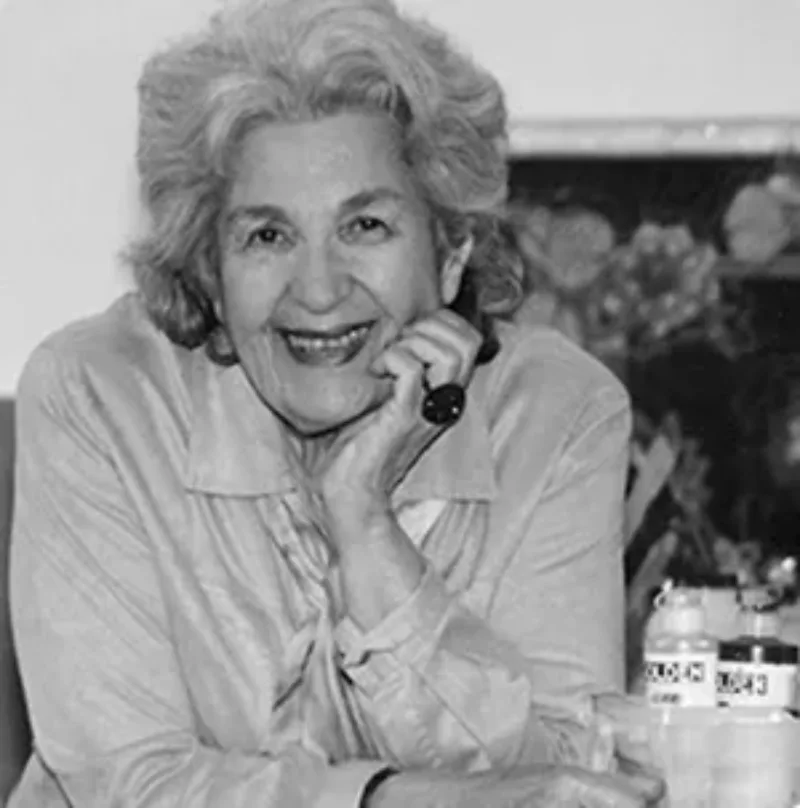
[
  {"x": 513, "y": 685},
  {"x": 110, "y": 713}
]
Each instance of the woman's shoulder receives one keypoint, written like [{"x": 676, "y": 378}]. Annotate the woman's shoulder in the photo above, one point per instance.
[
  {"x": 548, "y": 405},
  {"x": 544, "y": 381},
  {"x": 541, "y": 360},
  {"x": 117, "y": 350}
]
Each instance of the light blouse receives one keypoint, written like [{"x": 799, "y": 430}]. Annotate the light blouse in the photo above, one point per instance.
[{"x": 176, "y": 614}]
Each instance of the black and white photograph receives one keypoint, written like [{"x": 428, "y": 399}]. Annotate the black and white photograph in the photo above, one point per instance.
[{"x": 399, "y": 404}]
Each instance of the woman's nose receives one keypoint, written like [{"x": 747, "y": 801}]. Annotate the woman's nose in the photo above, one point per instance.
[{"x": 321, "y": 280}]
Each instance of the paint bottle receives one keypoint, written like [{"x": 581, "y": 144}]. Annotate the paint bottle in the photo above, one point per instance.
[
  {"x": 680, "y": 658},
  {"x": 758, "y": 669}
]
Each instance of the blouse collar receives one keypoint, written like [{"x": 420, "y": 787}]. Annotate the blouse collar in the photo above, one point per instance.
[{"x": 236, "y": 446}]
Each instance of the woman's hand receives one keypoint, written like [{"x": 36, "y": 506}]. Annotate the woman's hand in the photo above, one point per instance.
[
  {"x": 348, "y": 483},
  {"x": 352, "y": 479},
  {"x": 538, "y": 787},
  {"x": 625, "y": 719}
]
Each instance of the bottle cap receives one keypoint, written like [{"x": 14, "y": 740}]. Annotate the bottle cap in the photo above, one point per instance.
[
  {"x": 758, "y": 651},
  {"x": 684, "y": 620},
  {"x": 682, "y": 612},
  {"x": 758, "y": 623},
  {"x": 760, "y": 598}
]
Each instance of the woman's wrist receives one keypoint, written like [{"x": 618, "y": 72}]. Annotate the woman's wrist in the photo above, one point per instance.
[
  {"x": 430, "y": 789},
  {"x": 363, "y": 513},
  {"x": 380, "y": 569}
]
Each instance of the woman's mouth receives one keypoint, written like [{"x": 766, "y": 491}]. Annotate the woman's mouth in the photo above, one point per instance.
[{"x": 326, "y": 349}]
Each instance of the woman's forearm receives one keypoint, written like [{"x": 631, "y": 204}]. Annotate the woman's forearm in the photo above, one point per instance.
[
  {"x": 470, "y": 696},
  {"x": 380, "y": 568}
]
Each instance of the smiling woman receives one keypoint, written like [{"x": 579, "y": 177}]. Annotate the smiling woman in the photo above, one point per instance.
[
  {"x": 451, "y": 132},
  {"x": 315, "y": 289},
  {"x": 305, "y": 521}
]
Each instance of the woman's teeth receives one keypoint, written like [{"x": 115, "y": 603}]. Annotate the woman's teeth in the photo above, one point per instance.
[{"x": 327, "y": 350}]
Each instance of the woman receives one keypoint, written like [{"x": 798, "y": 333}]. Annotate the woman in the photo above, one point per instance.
[{"x": 266, "y": 550}]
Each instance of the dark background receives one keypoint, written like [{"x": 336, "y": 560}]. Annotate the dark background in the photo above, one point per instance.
[{"x": 737, "y": 409}]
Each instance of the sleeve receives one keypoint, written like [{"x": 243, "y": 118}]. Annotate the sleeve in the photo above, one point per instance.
[
  {"x": 111, "y": 719},
  {"x": 515, "y": 685}
]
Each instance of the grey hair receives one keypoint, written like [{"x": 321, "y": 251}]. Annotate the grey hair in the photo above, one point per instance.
[{"x": 291, "y": 60}]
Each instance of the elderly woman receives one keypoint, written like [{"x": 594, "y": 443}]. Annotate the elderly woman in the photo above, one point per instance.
[{"x": 267, "y": 550}]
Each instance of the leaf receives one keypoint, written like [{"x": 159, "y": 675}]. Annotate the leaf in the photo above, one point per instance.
[{"x": 654, "y": 469}]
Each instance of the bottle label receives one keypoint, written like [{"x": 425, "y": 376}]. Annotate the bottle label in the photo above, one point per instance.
[
  {"x": 748, "y": 684},
  {"x": 681, "y": 680}
]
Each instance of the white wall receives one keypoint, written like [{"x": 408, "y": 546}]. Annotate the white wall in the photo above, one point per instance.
[
  {"x": 68, "y": 70},
  {"x": 67, "y": 110},
  {"x": 634, "y": 58}
]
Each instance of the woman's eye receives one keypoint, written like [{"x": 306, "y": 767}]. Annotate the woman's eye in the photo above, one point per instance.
[
  {"x": 266, "y": 237},
  {"x": 368, "y": 228}
]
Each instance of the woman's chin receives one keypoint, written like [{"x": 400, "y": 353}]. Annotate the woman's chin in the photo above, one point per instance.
[
  {"x": 317, "y": 425},
  {"x": 312, "y": 422}
]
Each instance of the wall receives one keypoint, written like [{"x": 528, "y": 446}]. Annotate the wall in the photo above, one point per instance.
[
  {"x": 67, "y": 132},
  {"x": 67, "y": 111},
  {"x": 629, "y": 58}
]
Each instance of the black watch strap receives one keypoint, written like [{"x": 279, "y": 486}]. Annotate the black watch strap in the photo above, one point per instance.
[{"x": 374, "y": 783}]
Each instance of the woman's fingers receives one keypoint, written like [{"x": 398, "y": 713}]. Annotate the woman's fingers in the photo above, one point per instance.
[
  {"x": 643, "y": 783},
  {"x": 447, "y": 343},
  {"x": 431, "y": 352},
  {"x": 626, "y": 714},
  {"x": 444, "y": 344},
  {"x": 408, "y": 372},
  {"x": 620, "y": 791},
  {"x": 441, "y": 362},
  {"x": 605, "y": 790}
]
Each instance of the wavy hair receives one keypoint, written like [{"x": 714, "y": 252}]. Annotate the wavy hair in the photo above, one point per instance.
[{"x": 292, "y": 60}]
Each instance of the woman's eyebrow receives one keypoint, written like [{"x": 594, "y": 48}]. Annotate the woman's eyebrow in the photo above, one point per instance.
[
  {"x": 370, "y": 196},
  {"x": 248, "y": 213}
]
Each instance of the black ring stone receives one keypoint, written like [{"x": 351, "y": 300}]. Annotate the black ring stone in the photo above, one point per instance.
[{"x": 443, "y": 405}]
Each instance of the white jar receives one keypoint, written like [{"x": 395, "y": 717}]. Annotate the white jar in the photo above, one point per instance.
[
  {"x": 680, "y": 657},
  {"x": 758, "y": 669}
]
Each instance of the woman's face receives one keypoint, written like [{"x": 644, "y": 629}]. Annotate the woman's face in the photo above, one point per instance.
[{"x": 327, "y": 252}]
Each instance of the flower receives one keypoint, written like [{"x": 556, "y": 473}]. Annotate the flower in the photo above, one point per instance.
[
  {"x": 654, "y": 285},
  {"x": 786, "y": 187},
  {"x": 756, "y": 225},
  {"x": 579, "y": 242},
  {"x": 568, "y": 246},
  {"x": 618, "y": 300}
]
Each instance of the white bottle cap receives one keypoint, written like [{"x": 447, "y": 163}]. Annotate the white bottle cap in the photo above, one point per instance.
[
  {"x": 762, "y": 624},
  {"x": 684, "y": 619},
  {"x": 682, "y": 611}
]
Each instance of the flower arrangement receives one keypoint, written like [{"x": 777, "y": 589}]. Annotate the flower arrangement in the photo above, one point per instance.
[{"x": 622, "y": 300}]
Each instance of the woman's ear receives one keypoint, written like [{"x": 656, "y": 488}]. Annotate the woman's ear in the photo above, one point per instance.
[{"x": 453, "y": 270}]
